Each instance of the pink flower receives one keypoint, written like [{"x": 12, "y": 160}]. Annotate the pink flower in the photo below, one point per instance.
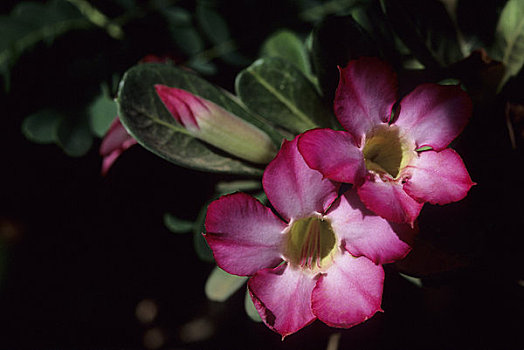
[
  {"x": 116, "y": 141},
  {"x": 381, "y": 153},
  {"x": 318, "y": 258}
]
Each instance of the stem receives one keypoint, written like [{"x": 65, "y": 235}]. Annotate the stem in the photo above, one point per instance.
[{"x": 98, "y": 18}]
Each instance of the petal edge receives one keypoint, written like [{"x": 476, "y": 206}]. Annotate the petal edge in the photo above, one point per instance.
[
  {"x": 245, "y": 236},
  {"x": 439, "y": 178}
]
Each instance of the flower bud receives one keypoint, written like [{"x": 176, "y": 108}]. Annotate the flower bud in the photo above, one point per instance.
[{"x": 211, "y": 123}]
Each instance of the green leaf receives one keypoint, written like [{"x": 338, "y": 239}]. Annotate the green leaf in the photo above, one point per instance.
[
  {"x": 177, "y": 225},
  {"x": 188, "y": 40},
  {"x": 251, "y": 311},
  {"x": 335, "y": 42},
  {"x": 315, "y": 11},
  {"x": 288, "y": 46},
  {"x": 42, "y": 126},
  {"x": 220, "y": 285},
  {"x": 509, "y": 39},
  {"x": 177, "y": 16},
  {"x": 182, "y": 30},
  {"x": 48, "y": 126},
  {"x": 449, "y": 81},
  {"x": 413, "y": 280},
  {"x": 202, "y": 248},
  {"x": 202, "y": 65},
  {"x": 371, "y": 18},
  {"x": 426, "y": 28},
  {"x": 224, "y": 187},
  {"x": 148, "y": 121},
  {"x": 30, "y": 23},
  {"x": 75, "y": 137},
  {"x": 262, "y": 197},
  {"x": 102, "y": 111},
  {"x": 200, "y": 245},
  {"x": 278, "y": 91},
  {"x": 479, "y": 30},
  {"x": 234, "y": 58},
  {"x": 212, "y": 24}
]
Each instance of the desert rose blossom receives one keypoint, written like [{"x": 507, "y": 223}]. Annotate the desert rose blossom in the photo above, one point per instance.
[
  {"x": 397, "y": 163},
  {"x": 211, "y": 123},
  {"x": 115, "y": 141},
  {"x": 320, "y": 258}
]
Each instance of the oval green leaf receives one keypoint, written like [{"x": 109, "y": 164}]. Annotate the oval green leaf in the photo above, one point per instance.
[
  {"x": 177, "y": 225},
  {"x": 251, "y": 311},
  {"x": 212, "y": 24},
  {"x": 42, "y": 126},
  {"x": 288, "y": 46},
  {"x": 102, "y": 111},
  {"x": 228, "y": 187},
  {"x": 509, "y": 39},
  {"x": 280, "y": 93},
  {"x": 220, "y": 285},
  {"x": 426, "y": 28},
  {"x": 202, "y": 249},
  {"x": 149, "y": 122},
  {"x": 75, "y": 137}
]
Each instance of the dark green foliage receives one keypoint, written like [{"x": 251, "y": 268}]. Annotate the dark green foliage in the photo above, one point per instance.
[
  {"x": 278, "y": 91},
  {"x": 426, "y": 29},
  {"x": 144, "y": 115},
  {"x": 336, "y": 41}
]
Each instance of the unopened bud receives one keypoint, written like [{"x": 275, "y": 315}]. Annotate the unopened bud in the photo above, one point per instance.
[{"x": 211, "y": 123}]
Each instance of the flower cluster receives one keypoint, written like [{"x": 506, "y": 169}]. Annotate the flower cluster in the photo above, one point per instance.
[{"x": 319, "y": 254}]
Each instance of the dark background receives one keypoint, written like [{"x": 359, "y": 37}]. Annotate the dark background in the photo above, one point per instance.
[{"x": 81, "y": 251}]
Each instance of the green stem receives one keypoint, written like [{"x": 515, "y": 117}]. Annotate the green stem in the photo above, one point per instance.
[{"x": 98, "y": 18}]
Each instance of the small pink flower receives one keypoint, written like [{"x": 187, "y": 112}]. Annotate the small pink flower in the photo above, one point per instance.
[
  {"x": 116, "y": 141},
  {"x": 381, "y": 154},
  {"x": 319, "y": 258}
]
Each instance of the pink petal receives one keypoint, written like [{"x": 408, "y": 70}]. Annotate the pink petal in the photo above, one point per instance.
[
  {"x": 334, "y": 154},
  {"x": 389, "y": 200},
  {"x": 293, "y": 188},
  {"x": 349, "y": 293},
  {"x": 282, "y": 297},
  {"x": 116, "y": 141},
  {"x": 365, "y": 233},
  {"x": 183, "y": 105},
  {"x": 365, "y": 95},
  {"x": 245, "y": 236},
  {"x": 438, "y": 178},
  {"x": 433, "y": 115}
]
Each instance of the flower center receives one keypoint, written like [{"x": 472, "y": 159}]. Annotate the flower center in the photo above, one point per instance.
[
  {"x": 311, "y": 243},
  {"x": 386, "y": 152}
]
